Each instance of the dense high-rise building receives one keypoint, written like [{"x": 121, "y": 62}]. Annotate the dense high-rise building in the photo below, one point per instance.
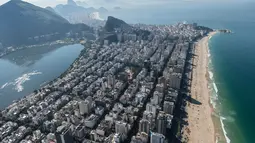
[
  {"x": 121, "y": 127},
  {"x": 162, "y": 80},
  {"x": 99, "y": 110},
  {"x": 89, "y": 99},
  {"x": 91, "y": 121},
  {"x": 117, "y": 138},
  {"x": 110, "y": 81},
  {"x": 64, "y": 137},
  {"x": 169, "y": 119},
  {"x": 106, "y": 42},
  {"x": 151, "y": 108},
  {"x": 144, "y": 126},
  {"x": 80, "y": 132},
  {"x": 161, "y": 123},
  {"x": 85, "y": 106},
  {"x": 148, "y": 116},
  {"x": 140, "y": 138},
  {"x": 157, "y": 138},
  {"x": 175, "y": 81},
  {"x": 160, "y": 88},
  {"x": 82, "y": 107},
  {"x": 168, "y": 107},
  {"x": 155, "y": 100}
]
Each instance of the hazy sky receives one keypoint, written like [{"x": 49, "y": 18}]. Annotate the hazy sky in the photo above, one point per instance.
[
  {"x": 112, "y": 3},
  {"x": 42, "y": 3},
  {"x": 97, "y": 3}
]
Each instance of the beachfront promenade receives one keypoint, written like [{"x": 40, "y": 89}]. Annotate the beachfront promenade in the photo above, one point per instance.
[{"x": 114, "y": 92}]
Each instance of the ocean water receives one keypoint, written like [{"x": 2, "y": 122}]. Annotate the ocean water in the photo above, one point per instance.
[
  {"x": 232, "y": 64},
  {"x": 24, "y": 71}
]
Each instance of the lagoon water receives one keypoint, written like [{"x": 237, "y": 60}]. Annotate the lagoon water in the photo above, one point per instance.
[
  {"x": 24, "y": 71},
  {"x": 232, "y": 55}
]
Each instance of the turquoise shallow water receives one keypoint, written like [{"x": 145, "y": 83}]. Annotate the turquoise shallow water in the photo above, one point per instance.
[
  {"x": 232, "y": 55},
  {"x": 234, "y": 65}
]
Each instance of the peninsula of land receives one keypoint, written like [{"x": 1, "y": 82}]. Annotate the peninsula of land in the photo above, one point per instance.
[{"x": 126, "y": 86}]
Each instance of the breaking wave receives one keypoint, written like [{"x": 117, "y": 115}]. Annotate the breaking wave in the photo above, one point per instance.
[
  {"x": 214, "y": 97},
  {"x": 18, "y": 82},
  {"x": 224, "y": 130}
]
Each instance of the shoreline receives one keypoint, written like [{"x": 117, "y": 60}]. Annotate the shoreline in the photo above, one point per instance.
[
  {"x": 203, "y": 124},
  {"x": 48, "y": 83},
  {"x": 54, "y": 43},
  {"x": 220, "y": 131}
]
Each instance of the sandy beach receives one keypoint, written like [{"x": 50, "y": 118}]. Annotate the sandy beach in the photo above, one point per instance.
[{"x": 200, "y": 128}]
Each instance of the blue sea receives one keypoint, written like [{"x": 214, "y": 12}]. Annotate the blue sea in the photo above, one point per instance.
[{"x": 232, "y": 64}]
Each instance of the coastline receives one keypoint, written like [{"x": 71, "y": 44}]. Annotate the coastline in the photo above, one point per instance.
[
  {"x": 203, "y": 123},
  {"x": 219, "y": 127},
  {"x": 199, "y": 122},
  {"x": 54, "y": 43}
]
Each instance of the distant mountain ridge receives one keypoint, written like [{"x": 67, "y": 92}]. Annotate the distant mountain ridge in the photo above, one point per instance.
[
  {"x": 21, "y": 20},
  {"x": 77, "y": 13},
  {"x": 50, "y": 9},
  {"x": 102, "y": 10},
  {"x": 72, "y": 7},
  {"x": 81, "y": 3},
  {"x": 71, "y": 2}
]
